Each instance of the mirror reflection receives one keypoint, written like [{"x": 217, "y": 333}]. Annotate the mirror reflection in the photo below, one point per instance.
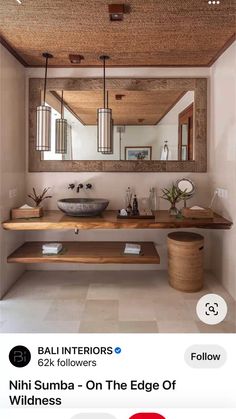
[{"x": 147, "y": 125}]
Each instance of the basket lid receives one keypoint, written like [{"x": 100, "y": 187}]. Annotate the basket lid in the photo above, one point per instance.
[{"x": 185, "y": 236}]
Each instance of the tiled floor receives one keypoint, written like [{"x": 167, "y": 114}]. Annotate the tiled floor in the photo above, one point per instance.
[{"x": 109, "y": 302}]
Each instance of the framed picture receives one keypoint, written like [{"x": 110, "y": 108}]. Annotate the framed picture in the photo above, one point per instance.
[{"x": 138, "y": 153}]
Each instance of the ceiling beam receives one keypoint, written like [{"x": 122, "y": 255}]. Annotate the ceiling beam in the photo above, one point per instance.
[{"x": 13, "y": 51}]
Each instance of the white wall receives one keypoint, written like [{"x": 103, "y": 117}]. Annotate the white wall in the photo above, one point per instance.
[
  {"x": 84, "y": 141},
  {"x": 12, "y": 158},
  {"x": 222, "y": 163}
]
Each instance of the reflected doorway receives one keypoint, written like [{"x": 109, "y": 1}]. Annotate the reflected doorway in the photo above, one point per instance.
[{"x": 185, "y": 144}]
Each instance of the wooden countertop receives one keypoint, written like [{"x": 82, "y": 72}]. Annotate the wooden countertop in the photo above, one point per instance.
[{"x": 56, "y": 220}]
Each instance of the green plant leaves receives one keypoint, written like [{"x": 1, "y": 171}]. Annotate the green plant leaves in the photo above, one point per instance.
[{"x": 173, "y": 194}]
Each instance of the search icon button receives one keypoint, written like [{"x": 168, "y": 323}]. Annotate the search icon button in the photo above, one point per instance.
[{"x": 211, "y": 309}]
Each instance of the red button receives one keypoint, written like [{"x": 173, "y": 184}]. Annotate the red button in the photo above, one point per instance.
[{"x": 147, "y": 416}]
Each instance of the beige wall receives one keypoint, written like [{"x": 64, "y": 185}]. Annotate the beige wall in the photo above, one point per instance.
[
  {"x": 12, "y": 157},
  {"x": 222, "y": 163}
]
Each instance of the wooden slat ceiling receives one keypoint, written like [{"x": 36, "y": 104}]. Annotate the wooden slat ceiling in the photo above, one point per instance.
[
  {"x": 135, "y": 108},
  {"x": 153, "y": 33}
]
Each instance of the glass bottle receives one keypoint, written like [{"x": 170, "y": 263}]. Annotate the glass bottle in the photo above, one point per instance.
[
  {"x": 135, "y": 206},
  {"x": 153, "y": 199}
]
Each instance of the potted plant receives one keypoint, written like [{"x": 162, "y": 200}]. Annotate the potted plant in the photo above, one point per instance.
[
  {"x": 173, "y": 195},
  {"x": 38, "y": 199}
]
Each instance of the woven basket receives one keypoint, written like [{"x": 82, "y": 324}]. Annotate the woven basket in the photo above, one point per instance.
[{"x": 185, "y": 261}]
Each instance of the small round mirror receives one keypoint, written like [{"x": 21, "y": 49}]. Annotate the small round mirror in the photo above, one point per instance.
[{"x": 186, "y": 185}]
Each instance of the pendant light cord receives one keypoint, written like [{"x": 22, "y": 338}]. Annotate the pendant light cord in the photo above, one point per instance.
[
  {"x": 46, "y": 55},
  {"x": 107, "y": 98},
  {"x": 104, "y": 82},
  {"x": 45, "y": 81},
  {"x": 62, "y": 108},
  {"x": 103, "y": 58}
]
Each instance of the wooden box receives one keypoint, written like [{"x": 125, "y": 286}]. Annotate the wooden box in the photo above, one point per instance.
[
  {"x": 197, "y": 213},
  {"x": 36, "y": 212}
]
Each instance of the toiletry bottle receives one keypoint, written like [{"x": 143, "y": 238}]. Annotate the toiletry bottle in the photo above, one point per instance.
[
  {"x": 135, "y": 206},
  {"x": 128, "y": 199}
]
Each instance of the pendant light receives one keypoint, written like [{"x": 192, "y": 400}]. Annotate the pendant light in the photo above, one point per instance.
[
  {"x": 110, "y": 149},
  {"x": 104, "y": 119},
  {"x": 61, "y": 131},
  {"x": 43, "y": 141},
  {"x": 120, "y": 129}
]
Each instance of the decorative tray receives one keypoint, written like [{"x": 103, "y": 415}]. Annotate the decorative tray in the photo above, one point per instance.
[{"x": 138, "y": 216}]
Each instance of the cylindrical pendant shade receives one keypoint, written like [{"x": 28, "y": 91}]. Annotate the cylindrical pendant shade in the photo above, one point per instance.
[
  {"x": 61, "y": 136},
  {"x": 43, "y": 142},
  {"x": 112, "y": 137},
  {"x": 105, "y": 140}
]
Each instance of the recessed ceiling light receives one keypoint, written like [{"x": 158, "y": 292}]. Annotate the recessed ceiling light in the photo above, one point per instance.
[
  {"x": 119, "y": 97},
  {"x": 76, "y": 58},
  {"x": 19, "y": 1},
  {"x": 116, "y": 12}
]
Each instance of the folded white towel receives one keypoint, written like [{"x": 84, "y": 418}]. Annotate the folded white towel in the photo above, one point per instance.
[
  {"x": 50, "y": 252},
  {"x": 52, "y": 248},
  {"x": 132, "y": 248},
  {"x": 165, "y": 154},
  {"x": 26, "y": 207},
  {"x": 123, "y": 212},
  {"x": 196, "y": 207},
  {"x": 52, "y": 245}
]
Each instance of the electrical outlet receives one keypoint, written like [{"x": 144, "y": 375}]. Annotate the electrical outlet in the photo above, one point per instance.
[
  {"x": 12, "y": 193},
  {"x": 222, "y": 193}
]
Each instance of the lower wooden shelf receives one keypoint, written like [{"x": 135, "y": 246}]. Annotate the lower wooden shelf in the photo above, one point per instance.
[{"x": 85, "y": 252}]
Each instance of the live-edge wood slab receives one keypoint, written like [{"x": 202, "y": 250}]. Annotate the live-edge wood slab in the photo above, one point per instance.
[
  {"x": 56, "y": 220},
  {"x": 86, "y": 252}
]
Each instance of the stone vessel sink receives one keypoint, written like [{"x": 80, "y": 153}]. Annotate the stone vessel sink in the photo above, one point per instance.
[{"x": 82, "y": 207}]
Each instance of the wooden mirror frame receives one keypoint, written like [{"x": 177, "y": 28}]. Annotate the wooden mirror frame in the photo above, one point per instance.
[{"x": 198, "y": 85}]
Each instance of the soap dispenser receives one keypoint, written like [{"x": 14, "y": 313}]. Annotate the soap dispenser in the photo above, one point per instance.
[
  {"x": 135, "y": 206},
  {"x": 128, "y": 199}
]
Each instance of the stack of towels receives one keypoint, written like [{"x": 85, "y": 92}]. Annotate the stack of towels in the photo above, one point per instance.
[
  {"x": 51, "y": 248},
  {"x": 132, "y": 249}
]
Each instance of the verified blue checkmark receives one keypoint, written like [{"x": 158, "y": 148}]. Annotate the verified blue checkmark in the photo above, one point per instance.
[{"x": 117, "y": 350}]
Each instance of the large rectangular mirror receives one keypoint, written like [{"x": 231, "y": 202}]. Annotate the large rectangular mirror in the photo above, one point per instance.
[{"x": 158, "y": 124}]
